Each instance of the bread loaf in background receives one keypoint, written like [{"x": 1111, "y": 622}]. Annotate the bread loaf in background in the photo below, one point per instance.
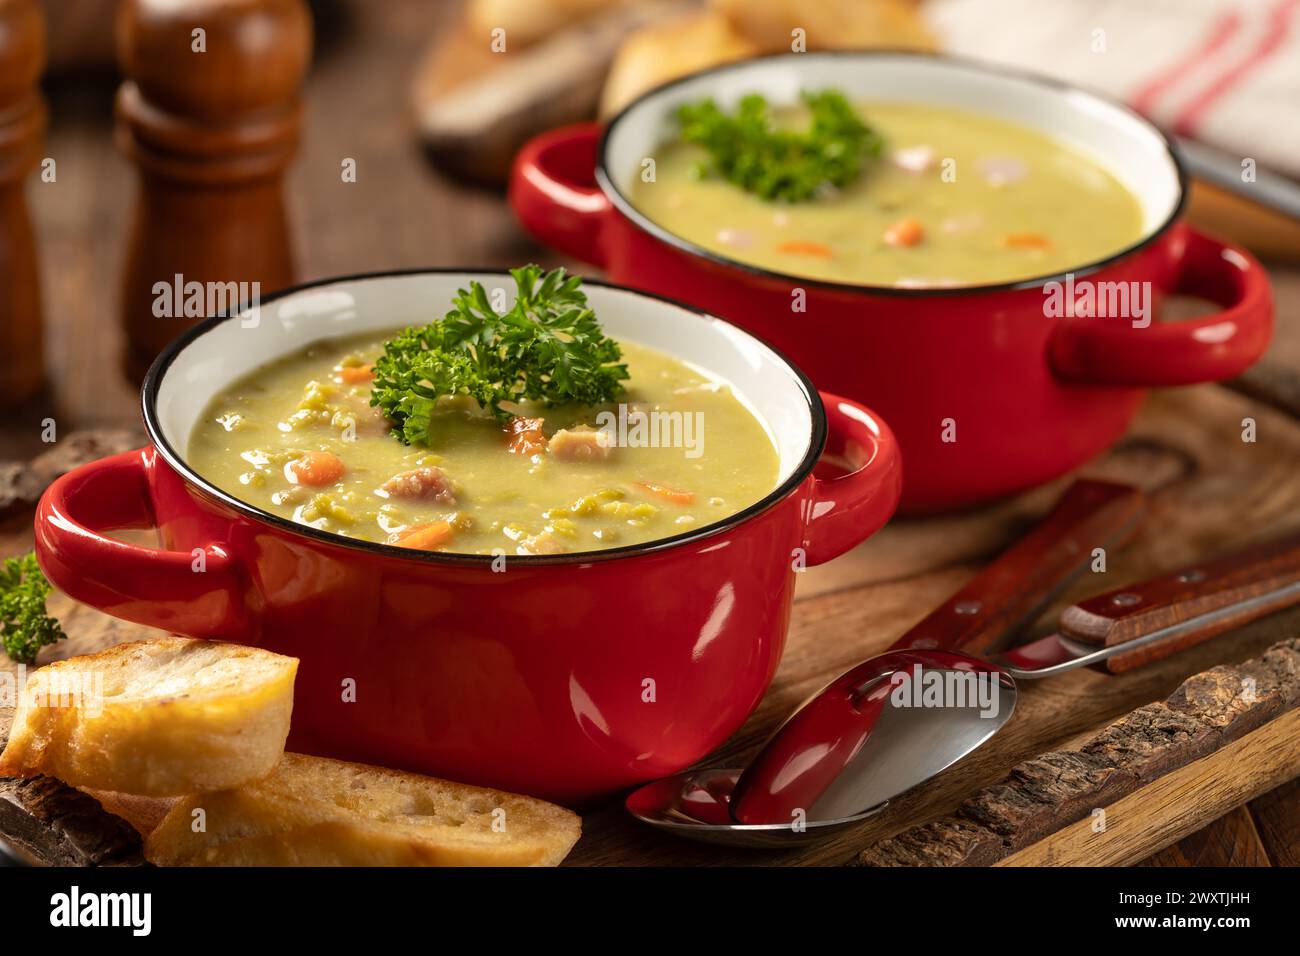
[
  {"x": 528, "y": 21},
  {"x": 730, "y": 30},
  {"x": 666, "y": 50}
]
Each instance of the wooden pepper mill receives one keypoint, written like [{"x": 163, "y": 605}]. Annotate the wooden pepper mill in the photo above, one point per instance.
[
  {"x": 210, "y": 113},
  {"x": 22, "y": 121}
]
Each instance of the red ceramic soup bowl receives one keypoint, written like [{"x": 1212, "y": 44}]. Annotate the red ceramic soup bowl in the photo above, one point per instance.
[
  {"x": 988, "y": 391},
  {"x": 565, "y": 676}
]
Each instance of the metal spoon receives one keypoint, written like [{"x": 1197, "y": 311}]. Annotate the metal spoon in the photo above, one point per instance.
[
  {"x": 845, "y": 748},
  {"x": 869, "y": 735},
  {"x": 1004, "y": 596}
]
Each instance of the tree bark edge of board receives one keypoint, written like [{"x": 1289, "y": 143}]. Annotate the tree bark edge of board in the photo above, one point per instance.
[{"x": 1044, "y": 794}]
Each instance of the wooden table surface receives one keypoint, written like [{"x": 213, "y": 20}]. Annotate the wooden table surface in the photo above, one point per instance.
[{"x": 399, "y": 213}]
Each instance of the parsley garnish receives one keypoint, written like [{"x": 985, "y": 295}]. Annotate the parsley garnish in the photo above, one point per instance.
[
  {"x": 546, "y": 347},
  {"x": 748, "y": 149},
  {"x": 24, "y": 626}
]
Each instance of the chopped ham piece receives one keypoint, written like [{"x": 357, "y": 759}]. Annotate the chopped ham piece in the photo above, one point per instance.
[
  {"x": 914, "y": 159},
  {"x": 580, "y": 444},
  {"x": 543, "y": 543},
  {"x": 960, "y": 224},
  {"x": 1001, "y": 170},
  {"x": 429, "y": 483},
  {"x": 367, "y": 419},
  {"x": 739, "y": 238}
]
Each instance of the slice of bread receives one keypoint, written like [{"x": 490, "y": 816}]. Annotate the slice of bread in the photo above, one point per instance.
[
  {"x": 143, "y": 813},
  {"x": 163, "y": 717},
  {"x": 316, "y": 812}
]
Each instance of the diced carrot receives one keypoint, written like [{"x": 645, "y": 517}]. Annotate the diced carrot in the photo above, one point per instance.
[
  {"x": 667, "y": 493},
  {"x": 526, "y": 436},
  {"x": 357, "y": 374},
  {"x": 806, "y": 247},
  {"x": 423, "y": 537},
  {"x": 1026, "y": 240},
  {"x": 905, "y": 232},
  {"x": 316, "y": 468}
]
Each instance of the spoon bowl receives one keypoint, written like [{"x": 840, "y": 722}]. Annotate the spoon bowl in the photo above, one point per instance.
[
  {"x": 883, "y": 727},
  {"x": 695, "y": 805},
  {"x": 887, "y": 725}
]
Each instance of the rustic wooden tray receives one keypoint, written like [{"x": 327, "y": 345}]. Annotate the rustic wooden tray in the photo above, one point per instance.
[{"x": 1164, "y": 771}]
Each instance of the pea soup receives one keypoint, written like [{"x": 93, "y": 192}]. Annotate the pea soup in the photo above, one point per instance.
[
  {"x": 956, "y": 199},
  {"x": 299, "y": 438}
]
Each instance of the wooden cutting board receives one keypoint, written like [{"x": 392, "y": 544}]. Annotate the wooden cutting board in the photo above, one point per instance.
[{"x": 1209, "y": 491}]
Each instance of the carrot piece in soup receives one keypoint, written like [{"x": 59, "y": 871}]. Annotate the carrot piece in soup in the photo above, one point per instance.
[
  {"x": 806, "y": 247},
  {"x": 526, "y": 436},
  {"x": 1026, "y": 240},
  {"x": 315, "y": 468},
  {"x": 667, "y": 493},
  {"x": 357, "y": 374},
  {"x": 905, "y": 232},
  {"x": 423, "y": 537}
]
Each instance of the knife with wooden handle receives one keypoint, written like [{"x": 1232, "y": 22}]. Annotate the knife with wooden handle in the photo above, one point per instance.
[
  {"x": 1013, "y": 590},
  {"x": 1140, "y": 623}
]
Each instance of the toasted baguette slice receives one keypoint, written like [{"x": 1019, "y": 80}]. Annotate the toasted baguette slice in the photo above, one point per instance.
[
  {"x": 162, "y": 717},
  {"x": 316, "y": 812},
  {"x": 142, "y": 813}
]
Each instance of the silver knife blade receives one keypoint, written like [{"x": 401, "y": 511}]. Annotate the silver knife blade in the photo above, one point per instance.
[{"x": 1056, "y": 653}]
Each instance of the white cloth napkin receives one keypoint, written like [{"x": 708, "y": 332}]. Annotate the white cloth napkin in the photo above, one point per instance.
[{"x": 1225, "y": 72}]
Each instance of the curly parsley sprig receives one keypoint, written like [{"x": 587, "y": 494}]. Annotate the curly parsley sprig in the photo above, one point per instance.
[
  {"x": 24, "y": 626},
  {"x": 547, "y": 347},
  {"x": 748, "y": 149}
]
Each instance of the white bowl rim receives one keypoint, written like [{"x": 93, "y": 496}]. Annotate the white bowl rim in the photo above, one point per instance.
[
  {"x": 149, "y": 391},
  {"x": 615, "y": 195}
]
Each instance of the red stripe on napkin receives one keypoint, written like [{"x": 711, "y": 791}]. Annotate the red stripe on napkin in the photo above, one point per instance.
[
  {"x": 1220, "y": 32},
  {"x": 1279, "y": 27}
]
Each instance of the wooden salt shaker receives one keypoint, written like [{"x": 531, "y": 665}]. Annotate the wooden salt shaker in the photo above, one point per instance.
[
  {"x": 22, "y": 121},
  {"x": 209, "y": 112}
]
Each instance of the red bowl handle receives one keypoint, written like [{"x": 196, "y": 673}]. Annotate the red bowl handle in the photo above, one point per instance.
[
  {"x": 847, "y": 509},
  {"x": 554, "y": 193},
  {"x": 1111, "y": 351},
  {"x": 200, "y": 593}
]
